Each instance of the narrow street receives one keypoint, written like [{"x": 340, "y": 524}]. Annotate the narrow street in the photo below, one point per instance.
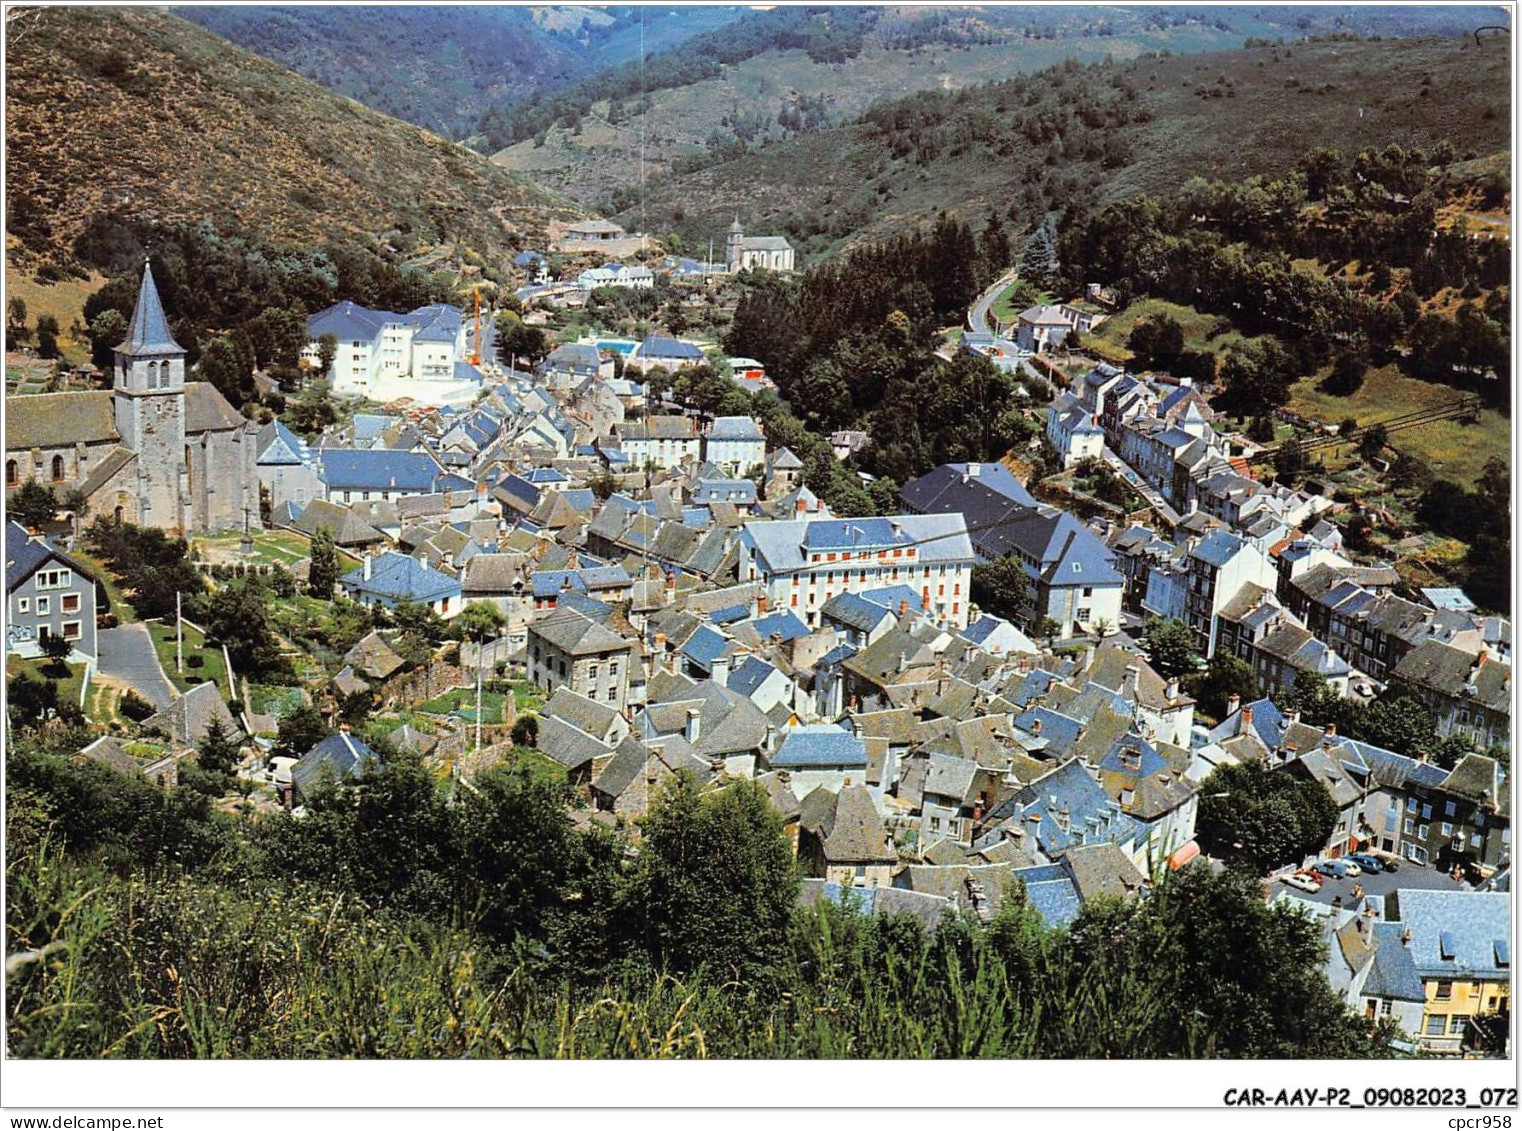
[{"x": 126, "y": 654}]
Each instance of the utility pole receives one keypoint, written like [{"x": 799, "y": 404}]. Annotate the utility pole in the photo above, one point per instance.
[
  {"x": 179, "y": 636},
  {"x": 480, "y": 646}
]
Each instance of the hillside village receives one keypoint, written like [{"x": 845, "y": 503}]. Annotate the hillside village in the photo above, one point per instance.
[
  {"x": 667, "y": 596},
  {"x": 576, "y": 618}
]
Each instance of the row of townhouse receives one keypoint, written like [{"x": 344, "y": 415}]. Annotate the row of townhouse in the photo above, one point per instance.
[{"x": 735, "y": 444}]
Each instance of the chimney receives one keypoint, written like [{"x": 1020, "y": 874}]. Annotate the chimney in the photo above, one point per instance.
[
  {"x": 974, "y": 470},
  {"x": 1293, "y": 717},
  {"x": 1246, "y": 718},
  {"x": 671, "y": 585},
  {"x": 1035, "y": 726},
  {"x": 761, "y": 605},
  {"x": 1128, "y": 686},
  {"x": 1088, "y": 657},
  {"x": 800, "y": 506},
  {"x": 903, "y": 607},
  {"x": 368, "y": 566},
  {"x": 1172, "y": 690},
  {"x": 769, "y": 744},
  {"x": 903, "y": 663},
  {"x": 1405, "y": 937},
  {"x": 1233, "y": 703},
  {"x": 1331, "y": 729},
  {"x": 694, "y": 724}
]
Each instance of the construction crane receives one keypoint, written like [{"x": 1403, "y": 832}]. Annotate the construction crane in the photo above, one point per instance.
[{"x": 475, "y": 289}]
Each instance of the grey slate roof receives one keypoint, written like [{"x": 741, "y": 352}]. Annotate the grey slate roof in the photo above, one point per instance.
[{"x": 148, "y": 333}]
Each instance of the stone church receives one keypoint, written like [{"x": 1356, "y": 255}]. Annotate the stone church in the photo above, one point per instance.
[
  {"x": 155, "y": 450},
  {"x": 770, "y": 253}
]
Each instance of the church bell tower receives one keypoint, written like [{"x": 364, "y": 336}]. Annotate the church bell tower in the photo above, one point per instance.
[{"x": 149, "y": 403}]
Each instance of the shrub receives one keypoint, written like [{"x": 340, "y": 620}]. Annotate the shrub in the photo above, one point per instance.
[
  {"x": 195, "y": 661},
  {"x": 135, "y": 707}
]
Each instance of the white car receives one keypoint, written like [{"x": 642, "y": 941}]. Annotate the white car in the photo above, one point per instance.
[
  {"x": 1353, "y": 869},
  {"x": 1302, "y": 881}
]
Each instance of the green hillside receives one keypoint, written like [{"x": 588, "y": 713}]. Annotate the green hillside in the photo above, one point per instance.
[
  {"x": 441, "y": 67},
  {"x": 1095, "y": 133},
  {"x": 135, "y": 113}
]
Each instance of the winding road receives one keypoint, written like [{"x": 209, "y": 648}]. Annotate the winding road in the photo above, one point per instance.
[{"x": 977, "y": 317}]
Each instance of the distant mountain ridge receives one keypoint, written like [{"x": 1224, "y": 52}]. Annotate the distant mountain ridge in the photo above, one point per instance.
[
  {"x": 134, "y": 112},
  {"x": 1096, "y": 133},
  {"x": 773, "y": 75},
  {"x": 441, "y": 67}
]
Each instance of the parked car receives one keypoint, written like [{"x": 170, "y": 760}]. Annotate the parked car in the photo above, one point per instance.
[
  {"x": 1352, "y": 868},
  {"x": 1331, "y": 869},
  {"x": 1368, "y": 863},
  {"x": 1302, "y": 881}
]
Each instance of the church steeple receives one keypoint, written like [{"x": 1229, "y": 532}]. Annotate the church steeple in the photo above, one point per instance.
[{"x": 149, "y": 330}]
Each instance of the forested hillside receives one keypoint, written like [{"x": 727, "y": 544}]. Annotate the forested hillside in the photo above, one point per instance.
[
  {"x": 773, "y": 75},
  {"x": 134, "y": 113},
  {"x": 442, "y": 67},
  {"x": 1096, "y": 133}
]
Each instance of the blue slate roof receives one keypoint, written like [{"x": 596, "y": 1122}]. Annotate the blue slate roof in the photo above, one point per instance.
[
  {"x": 23, "y": 554},
  {"x": 148, "y": 332},
  {"x": 340, "y": 755},
  {"x": 521, "y": 489},
  {"x": 1036, "y": 683},
  {"x": 401, "y": 578},
  {"x": 1394, "y": 973},
  {"x": 371, "y": 469},
  {"x": 820, "y": 744},
  {"x": 785, "y": 624},
  {"x": 735, "y": 428},
  {"x": 705, "y": 646},
  {"x": 574, "y": 357},
  {"x": 729, "y": 614},
  {"x": 455, "y": 483},
  {"x": 369, "y": 425},
  {"x": 659, "y": 346},
  {"x": 984, "y": 627},
  {"x": 1268, "y": 723},
  {"x": 1217, "y": 548},
  {"x": 837, "y": 655},
  {"x": 348, "y": 321},
  {"x": 581, "y": 499},
  {"x": 1474, "y": 922},
  {"x": 282, "y": 447},
  {"x": 589, "y": 607},
  {"x": 851, "y": 610},
  {"x": 750, "y": 675},
  {"x": 1059, "y": 730},
  {"x": 741, "y": 492},
  {"x": 893, "y": 598},
  {"x": 1150, "y": 762},
  {"x": 1051, "y": 892},
  {"x": 852, "y": 534},
  {"x": 1070, "y": 793},
  {"x": 436, "y": 323}
]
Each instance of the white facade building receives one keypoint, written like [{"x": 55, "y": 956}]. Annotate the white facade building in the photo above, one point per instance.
[{"x": 805, "y": 563}]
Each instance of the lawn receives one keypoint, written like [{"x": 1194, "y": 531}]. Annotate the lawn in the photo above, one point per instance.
[
  {"x": 69, "y": 688},
  {"x": 527, "y": 696},
  {"x": 271, "y": 547},
  {"x": 462, "y": 703},
  {"x": 1005, "y": 308},
  {"x": 1454, "y": 450},
  {"x": 212, "y": 665},
  {"x": 540, "y": 767},
  {"x": 268, "y": 699},
  {"x": 125, "y": 613},
  {"x": 1207, "y": 332}
]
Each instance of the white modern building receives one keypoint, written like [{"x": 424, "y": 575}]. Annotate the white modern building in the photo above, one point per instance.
[
  {"x": 381, "y": 354},
  {"x": 805, "y": 563}
]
